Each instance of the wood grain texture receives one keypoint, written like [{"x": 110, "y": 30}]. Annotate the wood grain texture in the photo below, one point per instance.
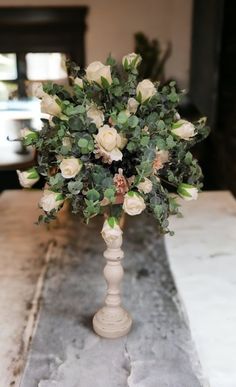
[{"x": 25, "y": 250}]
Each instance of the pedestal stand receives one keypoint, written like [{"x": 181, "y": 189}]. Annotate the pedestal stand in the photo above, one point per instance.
[{"x": 112, "y": 320}]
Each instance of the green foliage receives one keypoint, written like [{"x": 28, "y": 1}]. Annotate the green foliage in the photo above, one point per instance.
[
  {"x": 110, "y": 193},
  {"x": 112, "y": 221}
]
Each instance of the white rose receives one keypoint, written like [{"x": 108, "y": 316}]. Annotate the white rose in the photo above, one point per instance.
[
  {"x": 37, "y": 90},
  {"x": 28, "y": 178},
  {"x": 133, "y": 203},
  {"x": 50, "y": 200},
  {"x": 131, "y": 60},
  {"x": 49, "y": 105},
  {"x": 107, "y": 137},
  {"x": 70, "y": 167},
  {"x": 79, "y": 82},
  {"x": 96, "y": 71},
  {"x": 109, "y": 143},
  {"x": 112, "y": 235},
  {"x": 121, "y": 141},
  {"x": 145, "y": 90},
  {"x": 96, "y": 116},
  {"x": 184, "y": 130},
  {"x": 145, "y": 186},
  {"x": 187, "y": 191},
  {"x": 132, "y": 105}
]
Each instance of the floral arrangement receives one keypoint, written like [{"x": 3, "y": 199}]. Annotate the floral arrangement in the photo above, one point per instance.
[{"x": 112, "y": 143}]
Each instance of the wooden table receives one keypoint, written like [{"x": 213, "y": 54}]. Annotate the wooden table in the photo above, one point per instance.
[{"x": 51, "y": 284}]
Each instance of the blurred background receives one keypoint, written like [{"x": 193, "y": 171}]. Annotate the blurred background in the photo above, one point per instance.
[{"x": 190, "y": 41}]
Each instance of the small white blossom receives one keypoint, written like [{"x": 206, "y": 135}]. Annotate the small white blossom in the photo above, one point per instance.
[
  {"x": 96, "y": 71},
  {"x": 131, "y": 61},
  {"x": 28, "y": 178},
  {"x": 145, "y": 90},
  {"x": 133, "y": 203},
  {"x": 50, "y": 200},
  {"x": 70, "y": 167},
  {"x": 184, "y": 130},
  {"x": 49, "y": 105},
  {"x": 145, "y": 186},
  {"x": 96, "y": 115},
  {"x": 187, "y": 192}
]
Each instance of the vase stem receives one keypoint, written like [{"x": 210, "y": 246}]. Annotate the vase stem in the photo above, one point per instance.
[{"x": 112, "y": 320}]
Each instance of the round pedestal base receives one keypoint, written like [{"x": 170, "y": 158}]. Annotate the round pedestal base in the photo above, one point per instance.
[{"x": 112, "y": 323}]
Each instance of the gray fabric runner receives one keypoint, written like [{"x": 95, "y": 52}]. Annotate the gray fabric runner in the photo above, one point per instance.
[{"x": 66, "y": 353}]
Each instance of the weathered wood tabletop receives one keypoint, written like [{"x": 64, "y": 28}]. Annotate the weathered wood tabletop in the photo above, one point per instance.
[{"x": 51, "y": 285}]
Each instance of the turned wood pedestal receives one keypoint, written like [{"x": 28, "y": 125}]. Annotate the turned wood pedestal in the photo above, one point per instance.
[{"x": 112, "y": 320}]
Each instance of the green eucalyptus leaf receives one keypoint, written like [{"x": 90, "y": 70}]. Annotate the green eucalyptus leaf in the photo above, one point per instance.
[
  {"x": 93, "y": 195},
  {"x": 133, "y": 121},
  {"x": 83, "y": 143},
  {"x": 144, "y": 140},
  {"x": 75, "y": 187},
  {"x": 76, "y": 124},
  {"x": 122, "y": 118},
  {"x": 109, "y": 193}
]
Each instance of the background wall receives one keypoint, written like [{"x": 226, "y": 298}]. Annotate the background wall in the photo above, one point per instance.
[{"x": 112, "y": 24}]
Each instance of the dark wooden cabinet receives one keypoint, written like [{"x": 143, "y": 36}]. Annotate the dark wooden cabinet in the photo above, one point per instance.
[
  {"x": 39, "y": 30},
  {"x": 213, "y": 87},
  {"x": 44, "y": 29}
]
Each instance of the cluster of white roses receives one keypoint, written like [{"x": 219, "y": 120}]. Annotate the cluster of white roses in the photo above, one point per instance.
[{"x": 108, "y": 143}]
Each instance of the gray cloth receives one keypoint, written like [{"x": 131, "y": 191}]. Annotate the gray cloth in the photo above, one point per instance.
[{"x": 66, "y": 353}]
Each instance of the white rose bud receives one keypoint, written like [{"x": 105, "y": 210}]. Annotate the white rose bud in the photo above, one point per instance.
[
  {"x": 49, "y": 105},
  {"x": 145, "y": 186},
  {"x": 37, "y": 90},
  {"x": 51, "y": 200},
  {"x": 28, "y": 178},
  {"x": 132, "y": 105},
  {"x": 145, "y": 90},
  {"x": 187, "y": 191},
  {"x": 79, "y": 82},
  {"x": 131, "y": 61},
  {"x": 133, "y": 203},
  {"x": 96, "y": 116},
  {"x": 70, "y": 167},
  {"x": 184, "y": 130},
  {"x": 112, "y": 234},
  {"x": 96, "y": 71}
]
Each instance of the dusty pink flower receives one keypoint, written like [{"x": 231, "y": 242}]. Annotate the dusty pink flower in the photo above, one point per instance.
[
  {"x": 120, "y": 182},
  {"x": 162, "y": 157}
]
